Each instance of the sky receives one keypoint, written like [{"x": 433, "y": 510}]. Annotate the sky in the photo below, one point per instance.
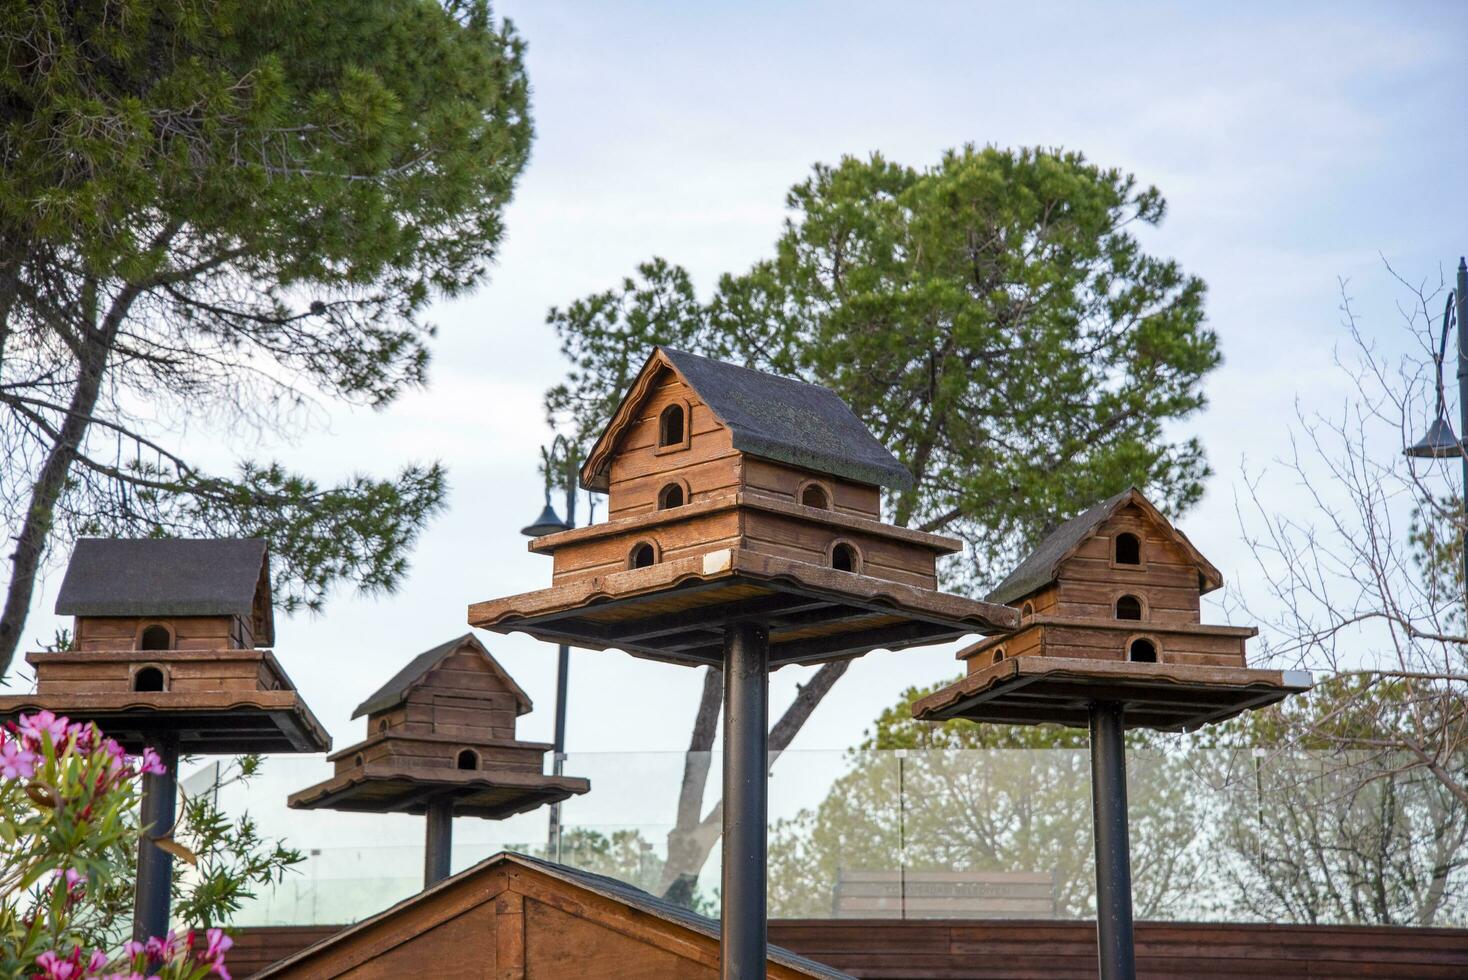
[{"x": 1298, "y": 146}]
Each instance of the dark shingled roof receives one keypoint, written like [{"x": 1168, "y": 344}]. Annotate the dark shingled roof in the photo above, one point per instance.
[
  {"x": 168, "y": 577},
  {"x": 609, "y": 888},
  {"x": 790, "y": 421},
  {"x": 391, "y": 694}
]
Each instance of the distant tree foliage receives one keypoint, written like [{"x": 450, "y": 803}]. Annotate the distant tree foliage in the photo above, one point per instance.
[
  {"x": 223, "y": 214},
  {"x": 993, "y": 318},
  {"x": 963, "y": 800}
]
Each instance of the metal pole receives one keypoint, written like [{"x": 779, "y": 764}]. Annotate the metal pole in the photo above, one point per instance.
[
  {"x": 438, "y": 841},
  {"x": 153, "y": 894},
  {"x": 1115, "y": 945},
  {"x": 742, "y": 953},
  {"x": 563, "y": 670},
  {"x": 1461, "y": 299}
]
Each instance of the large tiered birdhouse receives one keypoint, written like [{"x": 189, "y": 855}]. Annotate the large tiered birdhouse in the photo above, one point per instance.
[
  {"x": 1110, "y": 609},
  {"x": 739, "y": 495},
  {"x": 443, "y": 728},
  {"x": 168, "y": 637}
]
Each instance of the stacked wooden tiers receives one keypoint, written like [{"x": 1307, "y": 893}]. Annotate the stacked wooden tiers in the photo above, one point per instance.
[
  {"x": 740, "y": 497},
  {"x": 442, "y": 729},
  {"x": 167, "y": 640},
  {"x": 1109, "y": 609}
]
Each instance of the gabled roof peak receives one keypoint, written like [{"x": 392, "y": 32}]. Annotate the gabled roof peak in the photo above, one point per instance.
[
  {"x": 769, "y": 416},
  {"x": 1040, "y": 568},
  {"x": 392, "y": 693}
]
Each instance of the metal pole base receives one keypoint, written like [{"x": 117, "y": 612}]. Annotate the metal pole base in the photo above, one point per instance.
[
  {"x": 438, "y": 841},
  {"x": 152, "y": 897},
  {"x": 743, "y": 950},
  {"x": 1115, "y": 945}
]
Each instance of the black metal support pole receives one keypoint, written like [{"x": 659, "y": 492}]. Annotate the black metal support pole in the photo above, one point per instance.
[
  {"x": 1461, "y": 300},
  {"x": 563, "y": 672},
  {"x": 1115, "y": 944},
  {"x": 152, "y": 897},
  {"x": 558, "y": 753},
  {"x": 746, "y": 763},
  {"x": 438, "y": 842}
]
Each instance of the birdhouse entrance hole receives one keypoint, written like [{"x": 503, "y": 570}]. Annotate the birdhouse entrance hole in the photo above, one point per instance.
[
  {"x": 845, "y": 558},
  {"x": 814, "y": 495},
  {"x": 1128, "y": 607},
  {"x": 156, "y": 637},
  {"x": 670, "y": 496},
  {"x": 1143, "y": 652},
  {"x": 468, "y": 760},
  {"x": 1128, "y": 549},
  {"x": 642, "y": 556},
  {"x": 671, "y": 426},
  {"x": 149, "y": 679}
]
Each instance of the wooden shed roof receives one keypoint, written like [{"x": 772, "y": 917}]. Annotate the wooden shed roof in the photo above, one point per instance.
[
  {"x": 391, "y": 694},
  {"x": 170, "y": 577},
  {"x": 632, "y": 912},
  {"x": 1040, "y": 568},
  {"x": 769, "y": 416}
]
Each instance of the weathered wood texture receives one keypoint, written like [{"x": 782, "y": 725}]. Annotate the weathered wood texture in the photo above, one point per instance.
[
  {"x": 1009, "y": 950},
  {"x": 1046, "y": 636},
  {"x": 508, "y": 919},
  {"x": 445, "y": 731},
  {"x": 188, "y": 632},
  {"x": 1090, "y": 581},
  {"x": 183, "y": 671}
]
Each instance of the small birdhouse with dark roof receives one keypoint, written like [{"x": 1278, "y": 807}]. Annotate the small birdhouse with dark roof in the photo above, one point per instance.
[
  {"x": 719, "y": 472},
  {"x": 168, "y": 637},
  {"x": 1110, "y": 609},
  {"x": 443, "y": 728}
]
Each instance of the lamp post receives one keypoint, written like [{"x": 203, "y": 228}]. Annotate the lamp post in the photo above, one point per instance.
[
  {"x": 1440, "y": 442},
  {"x": 549, "y": 523}
]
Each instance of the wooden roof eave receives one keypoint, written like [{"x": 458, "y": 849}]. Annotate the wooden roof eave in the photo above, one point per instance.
[
  {"x": 596, "y": 471},
  {"x": 470, "y": 742},
  {"x": 750, "y": 500},
  {"x": 1172, "y": 697}
]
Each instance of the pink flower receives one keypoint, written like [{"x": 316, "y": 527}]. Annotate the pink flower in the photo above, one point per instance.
[
  {"x": 98, "y": 960},
  {"x": 151, "y": 762},
  {"x": 58, "y": 969},
  {"x": 16, "y": 762},
  {"x": 219, "y": 944},
  {"x": 44, "y": 723},
  {"x": 132, "y": 948}
]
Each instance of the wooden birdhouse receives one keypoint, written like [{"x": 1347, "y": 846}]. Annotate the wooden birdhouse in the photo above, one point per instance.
[
  {"x": 732, "y": 492},
  {"x": 168, "y": 636},
  {"x": 443, "y": 728},
  {"x": 1110, "y": 608}
]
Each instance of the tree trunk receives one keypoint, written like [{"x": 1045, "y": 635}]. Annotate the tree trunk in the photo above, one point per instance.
[
  {"x": 692, "y": 839},
  {"x": 95, "y": 345}
]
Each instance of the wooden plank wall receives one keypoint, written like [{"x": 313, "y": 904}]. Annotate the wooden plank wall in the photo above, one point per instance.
[{"x": 1009, "y": 950}]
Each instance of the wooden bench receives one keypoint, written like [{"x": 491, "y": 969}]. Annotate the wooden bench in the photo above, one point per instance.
[{"x": 943, "y": 895}]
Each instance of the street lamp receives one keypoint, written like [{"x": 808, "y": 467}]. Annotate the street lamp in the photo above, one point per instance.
[
  {"x": 1440, "y": 442},
  {"x": 549, "y": 522}
]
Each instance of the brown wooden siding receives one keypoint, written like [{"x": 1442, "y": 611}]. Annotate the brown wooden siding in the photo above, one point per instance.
[
  {"x": 810, "y": 541},
  {"x": 1010, "y": 950},
  {"x": 639, "y": 470},
  {"x": 784, "y": 482},
  {"x": 189, "y": 632},
  {"x": 1090, "y": 582},
  {"x": 605, "y": 555}
]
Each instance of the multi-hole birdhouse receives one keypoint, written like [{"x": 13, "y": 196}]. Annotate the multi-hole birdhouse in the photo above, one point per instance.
[
  {"x": 1110, "y": 609},
  {"x": 739, "y": 495},
  {"x": 443, "y": 729},
  {"x": 168, "y": 637}
]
